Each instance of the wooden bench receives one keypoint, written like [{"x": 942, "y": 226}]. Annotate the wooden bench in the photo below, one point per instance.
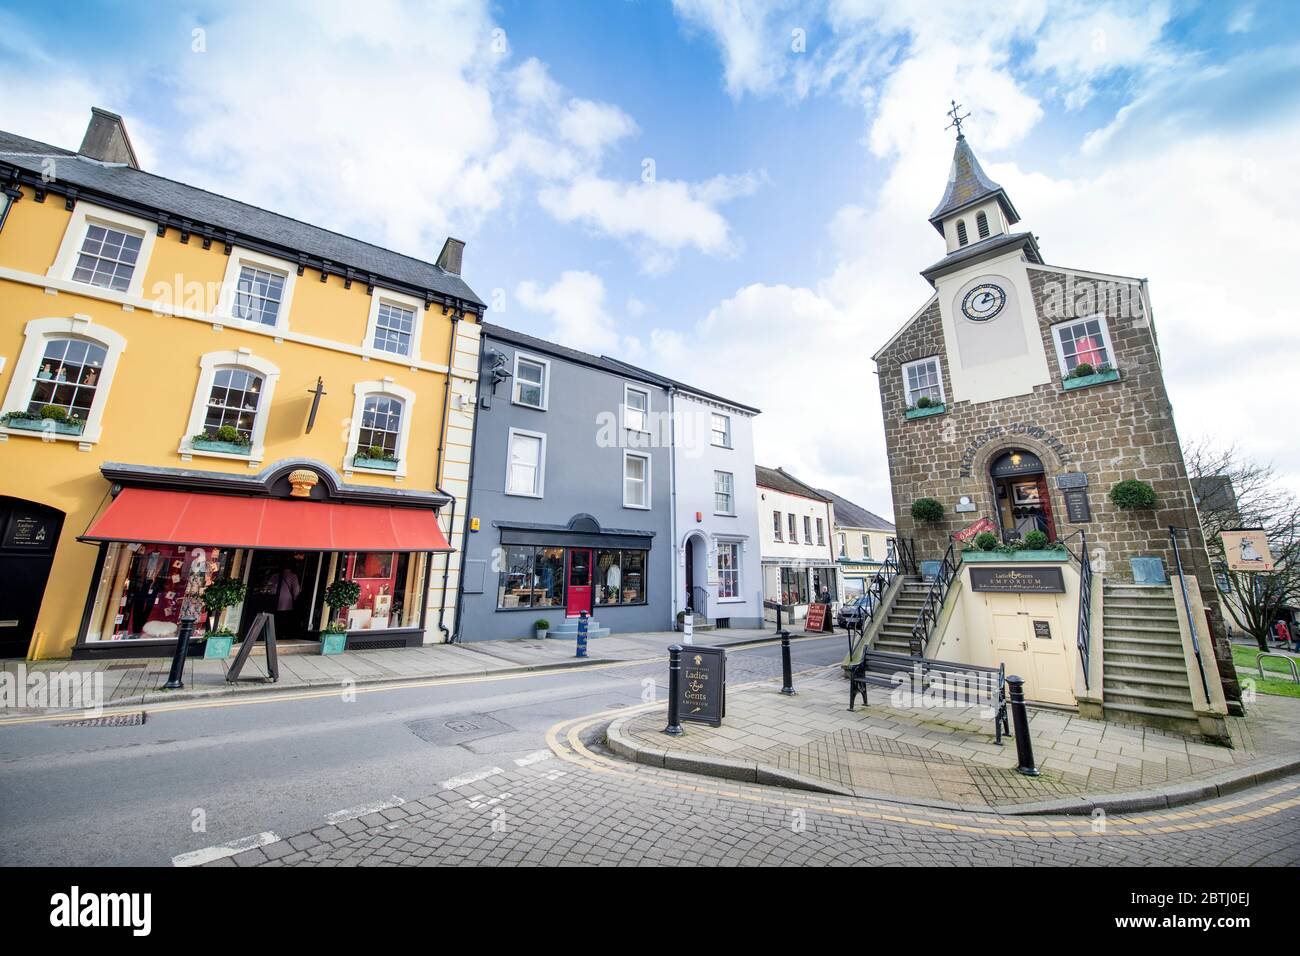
[{"x": 946, "y": 680}]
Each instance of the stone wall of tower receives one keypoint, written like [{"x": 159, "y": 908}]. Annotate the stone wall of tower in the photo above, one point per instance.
[{"x": 1111, "y": 432}]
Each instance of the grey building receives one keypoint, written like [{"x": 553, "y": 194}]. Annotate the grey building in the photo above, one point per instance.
[{"x": 570, "y": 495}]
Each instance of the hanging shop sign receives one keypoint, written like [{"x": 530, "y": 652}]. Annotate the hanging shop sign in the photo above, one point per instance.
[
  {"x": 702, "y": 693},
  {"x": 969, "y": 532},
  {"x": 1246, "y": 549},
  {"x": 1017, "y": 580},
  {"x": 816, "y": 618}
]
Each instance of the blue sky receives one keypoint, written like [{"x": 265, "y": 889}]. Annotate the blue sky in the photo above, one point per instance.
[{"x": 778, "y": 242}]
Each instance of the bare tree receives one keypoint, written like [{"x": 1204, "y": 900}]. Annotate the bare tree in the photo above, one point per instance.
[{"x": 1234, "y": 491}]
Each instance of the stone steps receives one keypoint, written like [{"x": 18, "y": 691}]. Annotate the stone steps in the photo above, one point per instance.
[{"x": 1145, "y": 676}]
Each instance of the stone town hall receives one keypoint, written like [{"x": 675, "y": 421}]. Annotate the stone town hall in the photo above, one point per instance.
[{"x": 1017, "y": 396}]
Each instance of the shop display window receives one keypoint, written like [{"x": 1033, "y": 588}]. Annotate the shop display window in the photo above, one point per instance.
[{"x": 531, "y": 576}]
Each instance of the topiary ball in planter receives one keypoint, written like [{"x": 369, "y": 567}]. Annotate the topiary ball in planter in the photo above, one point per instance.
[
  {"x": 925, "y": 401},
  {"x": 986, "y": 541},
  {"x": 1034, "y": 541},
  {"x": 1133, "y": 495},
  {"x": 927, "y": 510},
  {"x": 1083, "y": 370}
]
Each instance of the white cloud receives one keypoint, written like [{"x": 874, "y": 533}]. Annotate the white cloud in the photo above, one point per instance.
[
  {"x": 594, "y": 126},
  {"x": 658, "y": 218},
  {"x": 575, "y": 306}
]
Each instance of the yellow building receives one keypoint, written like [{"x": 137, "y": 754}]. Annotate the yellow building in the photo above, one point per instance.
[{"x": 195, "y": 388}]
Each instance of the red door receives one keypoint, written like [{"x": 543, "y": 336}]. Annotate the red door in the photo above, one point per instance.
[{"x": 579, "y": 589}]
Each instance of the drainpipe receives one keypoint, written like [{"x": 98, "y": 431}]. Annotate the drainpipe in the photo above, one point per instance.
[
  {"x": 456, "y": 313},
  {"x": 672, "y": 501}
]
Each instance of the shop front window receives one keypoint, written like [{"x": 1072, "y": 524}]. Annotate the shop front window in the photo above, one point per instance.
[
  {"x": 531, "y": 577},
  {"x": 728, "y": 570},
  {"x": 142, "y": 589},
  {"x": 794, "y": 586},
  {"x": 392, "y": 588},
  {"x": 620, "y": 577}
]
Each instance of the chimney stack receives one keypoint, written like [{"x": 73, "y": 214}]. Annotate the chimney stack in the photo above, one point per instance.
[
  {"x": 106, "y": 139},
  {"x": 450, "y": 257}
]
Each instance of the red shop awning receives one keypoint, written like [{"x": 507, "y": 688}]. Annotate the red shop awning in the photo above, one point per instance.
[{"x": 181, "y": 517}]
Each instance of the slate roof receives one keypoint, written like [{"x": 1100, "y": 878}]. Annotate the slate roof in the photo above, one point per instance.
[
  {"x": 849, "y": 515},
  {"x": 778, "y": 479},
  {"x": 157, "y": 193},
  {"x": 993, "y": 245},
  {"x": 969, "y": 184},
  {"x": 602, "y": 362}
]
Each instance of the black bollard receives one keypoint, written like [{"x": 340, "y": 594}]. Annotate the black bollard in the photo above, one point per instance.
[
  {"x": 787, "y": 682},
  {"x": 174, "y": 681},
  {"x": 1020, "y": 721},
  {"x": 674, "y": 727}
]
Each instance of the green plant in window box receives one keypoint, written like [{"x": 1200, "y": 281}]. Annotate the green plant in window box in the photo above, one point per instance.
[
  {"x": 375, "y": 456},
  {"x": 927, "y": 510},
  {"x": 1034, "y": 541},
  {"x": 51, "y": 418},
  {"x": 1133, "y": 495},
  {"x": 1083, "y": 370},
  {"x": 986, "y": 541},
  {"x": 226, "y": 438},
  {"x": 540, "y": 627}
]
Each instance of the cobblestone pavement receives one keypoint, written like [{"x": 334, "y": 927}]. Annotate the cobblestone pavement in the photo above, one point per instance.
[
  {"x": 578, "y": 805},
  {"x": 947, "y": 753}
]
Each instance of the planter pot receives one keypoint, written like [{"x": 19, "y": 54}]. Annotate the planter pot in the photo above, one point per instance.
[
  {"x": 1100, "y": 378},
  {"x": 217, "y": 648},
  {"x": 978, "y": 556},
  {"x": 382, "y": 464},
  {"x": 333, "y": 642},
  {"x": 226, "y": 447},
  {"x": 541, "y": 632},
  {"x": 46, "y": 425},
  {"x": 925, "y": 412}
]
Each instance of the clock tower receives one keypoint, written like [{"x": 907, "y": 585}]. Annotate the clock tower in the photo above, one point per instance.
[{"x": 1018, "y": 396}]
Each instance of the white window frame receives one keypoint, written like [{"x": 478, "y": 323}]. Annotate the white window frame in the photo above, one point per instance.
[
  {"x": 807, "y": 529},
  {"x": 623, "y": 479},
  {"x": 360, "y": 392},
  {"x": 235, "y": 262},
  {"x": 209, "y": 365},
  {"x": 842, "y": 544},
  {"x": 540, "y": 484},
  {"x": 726, "y": 420},
  {"x": 546, "y": 381},
  {"x": 86, "y": 214},
  {"x": 938, "y": 371},
  {"x": 866, "y": 547},
  {"x": 1102, "y": 323},
  {"x": 792, "y": 526},
  {"x": 402, "y": 300},
  {"x": 821, "y": 532},
  {"x": 778, "y": 533},
  {"x": 718, "y": 545},
  {"x": 732, "y": 512},
  {"x": 627, "y": 389},
  {"x": 36, "y": 334}
]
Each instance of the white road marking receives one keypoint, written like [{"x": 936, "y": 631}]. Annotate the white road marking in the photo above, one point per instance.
[
  {"x": 474, "y": 777},
  {"x": 537, "y": 756},
  {"x": 351, "y": 813},
  {"x": 210, "y": 853}
]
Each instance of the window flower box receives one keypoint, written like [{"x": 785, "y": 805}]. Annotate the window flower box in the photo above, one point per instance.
[
  {"x": 333, "y": 642},
  {"x": 1097, "y": 378},
  {"x": 38, "y": 424},
  {"x": 1049, "y": 554},
  {"x": 382, "y": 464},
  {"x": 925, "y": 412},
  {"x": 225, "y": 447}
]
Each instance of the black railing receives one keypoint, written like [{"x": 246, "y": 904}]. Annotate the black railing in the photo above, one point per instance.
[
  {"x": 905, "y": 552},
  {"x": 1084, "y": 639},
  {"x": 928, "y": 616},
  {"x": 1187, "y": 607},
  {"x": 700, "y": 602}
]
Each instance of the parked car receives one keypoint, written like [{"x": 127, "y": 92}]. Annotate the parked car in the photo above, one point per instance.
[{"x": 851, "y": 612}]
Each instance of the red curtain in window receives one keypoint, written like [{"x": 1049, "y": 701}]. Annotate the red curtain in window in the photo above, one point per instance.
[
  {"x": 1090, "y": 350},
  {"x": 1046, "y": 500}
]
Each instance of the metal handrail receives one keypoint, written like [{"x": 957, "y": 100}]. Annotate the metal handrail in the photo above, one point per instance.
[
  {"x": 889, "y": 569},
  {"x": 699, "y": 601},
  {"x": 905, "y": 551},
  {"x": 928, "y": 616},
  {"x": 1187, "y": 608},
  {"x": 1259, "y": 662},
  {"x": 1084, "y": 639}
]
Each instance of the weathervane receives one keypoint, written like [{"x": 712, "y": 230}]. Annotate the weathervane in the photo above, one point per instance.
[{"x": 956, "y": 119}]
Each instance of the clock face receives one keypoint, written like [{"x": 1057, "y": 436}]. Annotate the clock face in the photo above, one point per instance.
[{"x": 983, "y": 302}]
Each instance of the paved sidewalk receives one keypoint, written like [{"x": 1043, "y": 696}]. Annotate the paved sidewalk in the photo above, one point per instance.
[
  {"x": 138, "y": 681},
  {"x": 946, "y": 756}
]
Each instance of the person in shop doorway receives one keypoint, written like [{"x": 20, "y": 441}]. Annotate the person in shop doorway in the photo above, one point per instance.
[{"x": 285, "y": 590}]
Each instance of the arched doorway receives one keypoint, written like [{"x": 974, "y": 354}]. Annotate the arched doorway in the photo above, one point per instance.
[
  {"x": 697, "y": 574},
  {"x": 29, "y": 533},
  {"x": 1020, "y": 494}
]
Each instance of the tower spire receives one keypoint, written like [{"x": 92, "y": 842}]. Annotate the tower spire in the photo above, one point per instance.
[{"x": 957, "y": 120}]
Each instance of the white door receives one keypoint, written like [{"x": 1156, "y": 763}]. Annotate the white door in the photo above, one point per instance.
[{"x": 1030, "y": 642}]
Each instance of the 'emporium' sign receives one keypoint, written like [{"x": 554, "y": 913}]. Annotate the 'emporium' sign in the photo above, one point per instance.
[
  {"x": 1017, "y": 580},
  {"x": 994, "y": 432},
  {"x": 703, "y": 688}
]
